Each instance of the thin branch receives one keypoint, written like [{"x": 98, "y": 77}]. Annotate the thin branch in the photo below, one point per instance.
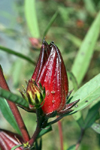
[
  {"x": 50, "y": 23},
  {"x": 14, "y": 109},
  {"x": 80, "y": 139},
  {"x": 17, "y": 54},
  {"x": 38, "y": 129}
]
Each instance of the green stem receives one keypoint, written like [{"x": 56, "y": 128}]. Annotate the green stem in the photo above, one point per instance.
[
  {"x": 38, "y": 128},
  {"x": 80, "y": 139},
  {"x": 50, "y": 23},
  {"x": 17, "y": 54}
]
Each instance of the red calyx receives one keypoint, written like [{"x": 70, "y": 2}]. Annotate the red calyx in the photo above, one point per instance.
[
  {"x": 51, "y": 73},
  {"x": 8, "y": 140}
]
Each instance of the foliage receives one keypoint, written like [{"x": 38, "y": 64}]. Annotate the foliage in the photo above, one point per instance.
[{"x": 75, "y": 28}]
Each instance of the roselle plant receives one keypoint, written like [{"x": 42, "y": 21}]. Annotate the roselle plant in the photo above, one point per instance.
[{"x": 47, "y": 94}]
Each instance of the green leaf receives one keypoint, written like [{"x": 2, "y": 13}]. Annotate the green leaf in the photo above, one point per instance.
[
  {"x": 50, "y": 23},
  {"x": 5, "y": 49},
  {"x": 73, "y": 84},
  {"x": 31, "y": 18},
  {"x": 44, "y": 131},
  {"x": 87, "y": 93},
  {"x": 73, "y": 147},
  {"x": 96, "y": 127},
  {"x": 13, "y": 97},
  {"x": 79, "y": 118},
  {"x": 85, "y": 53},
  {"x": 72, "y": 81},
  {"x": 91, "y": 116},
  {"x": 7, "y": 113},
  {"x": 14, "y": 148}
]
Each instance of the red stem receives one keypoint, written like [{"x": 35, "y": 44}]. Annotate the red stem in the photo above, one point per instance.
[
  {"x": 14, "y": 109},
  {"x": 37, "y": 131},
  {"x": 60, "y": 134}
]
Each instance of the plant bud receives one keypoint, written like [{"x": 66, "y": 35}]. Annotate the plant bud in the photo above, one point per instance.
[
  {"x": 48, "y": 86},
  {"x": 51, "y": 73},
  {"x": 35, "y": 94},
  {"x": 8, "y": 140}
]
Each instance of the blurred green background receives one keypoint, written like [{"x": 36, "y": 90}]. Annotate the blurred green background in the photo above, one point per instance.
[{"x": 71, "y": 22}]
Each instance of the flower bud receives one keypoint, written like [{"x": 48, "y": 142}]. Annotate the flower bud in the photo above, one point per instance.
[
  {"x": 48, "y": 86},
  {"x": 8, "y": 140},
  {"x": 34, "y": 94},
  {"x": 51, "y": 73}
]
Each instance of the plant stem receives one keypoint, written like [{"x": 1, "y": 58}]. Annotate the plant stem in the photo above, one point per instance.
[
  {"x": 38, "y": 128},
  {"x": 60, "y": 134},
  {"x": 50, "y": 23},
  {"x": 14, "y": 109},
  {"x": 17, "y": 54},
  {"x": 80, "y": 139},
  {"x": 37, "y": 131}
]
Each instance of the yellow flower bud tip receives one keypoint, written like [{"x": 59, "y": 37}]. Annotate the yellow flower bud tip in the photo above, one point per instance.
[
  {"x": 37, "y": 99},
  {"x": 30, "y": 98},
  {"x": 26, "y": 145},
  {"x": 35, "y": 94}
]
